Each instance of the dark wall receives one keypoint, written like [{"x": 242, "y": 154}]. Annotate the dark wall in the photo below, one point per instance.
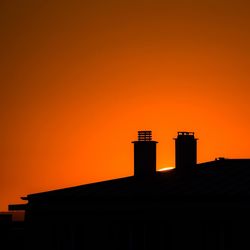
[{"x": 143, "y": 225}]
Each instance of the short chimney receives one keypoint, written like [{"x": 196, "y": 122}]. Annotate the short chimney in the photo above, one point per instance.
[
  {"x": 185, "y": 151},
  {"x": 144, "y": 155}
]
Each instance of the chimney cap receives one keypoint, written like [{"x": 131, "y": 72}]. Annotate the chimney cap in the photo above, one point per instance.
[
  {"x": 144, "y": 136},
  {"x": 185, "y": 133}
]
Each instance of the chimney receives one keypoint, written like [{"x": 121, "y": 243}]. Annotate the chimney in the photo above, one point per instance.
[
  {"x": 185, "y": 151},
  {"x": 144, "y": 155}
]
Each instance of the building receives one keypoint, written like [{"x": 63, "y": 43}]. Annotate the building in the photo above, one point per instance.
[
  {"x": 11, "y": 232},
  {"x": 194, "y": 206}
]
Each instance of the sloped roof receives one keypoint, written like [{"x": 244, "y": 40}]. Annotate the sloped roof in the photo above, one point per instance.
[{"x": 224, "y": 177}]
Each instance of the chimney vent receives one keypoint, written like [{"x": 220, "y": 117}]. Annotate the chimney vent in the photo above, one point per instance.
[{"x": 145, "y": 135}]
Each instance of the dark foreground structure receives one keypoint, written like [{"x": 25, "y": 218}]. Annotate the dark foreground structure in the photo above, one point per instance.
[{"x": 194, "y": 206}]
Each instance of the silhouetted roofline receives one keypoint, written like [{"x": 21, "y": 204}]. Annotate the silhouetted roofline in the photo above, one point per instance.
[
  {"x": 88, "y": 186},
  {"x": 172, "y": 181},
  {"x": 74, "y": 188},
  {"x": 224, "y": 160}
]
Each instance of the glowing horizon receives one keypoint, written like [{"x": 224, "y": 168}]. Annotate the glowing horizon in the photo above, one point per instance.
[{"x": 165, "y": 169}]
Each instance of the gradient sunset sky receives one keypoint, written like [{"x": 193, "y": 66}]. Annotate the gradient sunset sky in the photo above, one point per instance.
[{"x": 79, "y": 78}]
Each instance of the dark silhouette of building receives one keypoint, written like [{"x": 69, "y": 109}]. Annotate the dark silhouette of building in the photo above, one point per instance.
[
  {"x": 11, "y": 232},
  {"x": 195, "y": 206}
]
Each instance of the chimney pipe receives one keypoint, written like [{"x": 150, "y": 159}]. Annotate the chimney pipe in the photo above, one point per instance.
[
  {"x": 185, "y": 151},
  {"x": 144, "y": 155}
]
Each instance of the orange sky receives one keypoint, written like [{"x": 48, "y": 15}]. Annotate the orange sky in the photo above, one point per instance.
[{"x": 79, "y": 78}]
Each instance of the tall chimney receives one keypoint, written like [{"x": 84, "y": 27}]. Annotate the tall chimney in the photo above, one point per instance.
[
  {"x": 185, "y": 151},
  {"x": 144, "y": 155}
]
